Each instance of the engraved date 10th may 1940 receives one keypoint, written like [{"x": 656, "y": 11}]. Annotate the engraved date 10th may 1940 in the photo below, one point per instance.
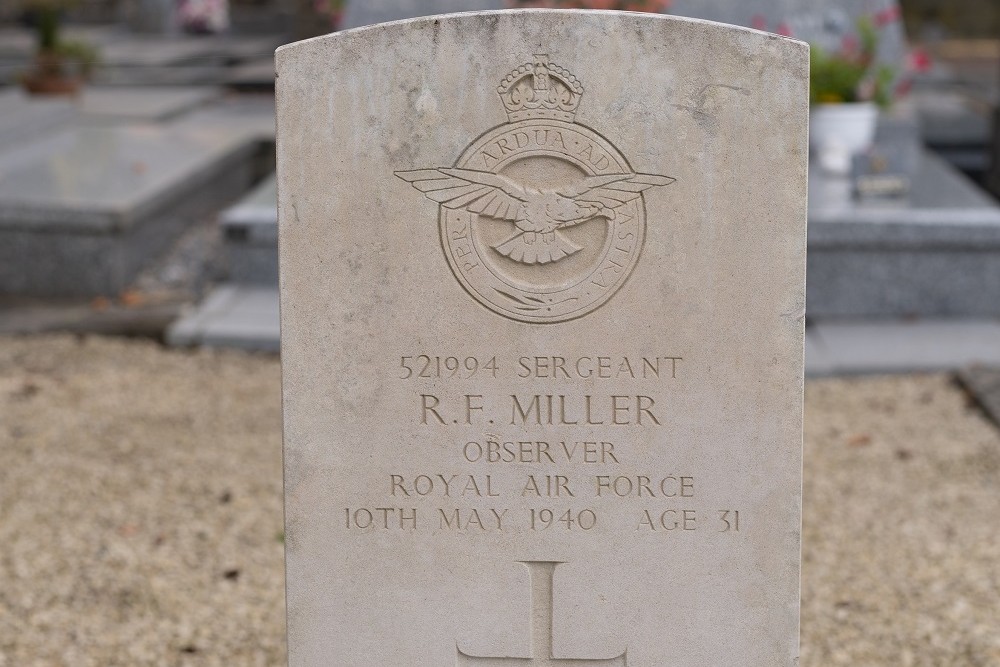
[
  {"x": 667, "y": 503},
  {"x": 480, "y": 519}
]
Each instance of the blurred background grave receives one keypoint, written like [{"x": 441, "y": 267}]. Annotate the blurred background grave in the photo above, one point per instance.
[
  {"x": 959, "y": 95},
  {"x": 108, "y": 195}
]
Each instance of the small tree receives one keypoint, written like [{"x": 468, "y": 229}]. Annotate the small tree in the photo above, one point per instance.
[{"x": 60, "y": 64}]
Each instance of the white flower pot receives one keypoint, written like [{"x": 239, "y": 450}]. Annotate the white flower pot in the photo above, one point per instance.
[{"x": 837, "y": 132}]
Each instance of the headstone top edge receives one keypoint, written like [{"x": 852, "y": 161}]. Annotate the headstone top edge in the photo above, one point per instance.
[{"x": 284, "y": 50}]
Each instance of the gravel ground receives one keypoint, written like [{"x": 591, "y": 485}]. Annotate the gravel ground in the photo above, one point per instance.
[
  {"x": 140, "y": 513},
  {"x": 901, "y": 529},
  {"x": 140, "y": 505}
]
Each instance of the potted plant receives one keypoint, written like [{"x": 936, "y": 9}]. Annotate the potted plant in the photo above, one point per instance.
[
  {"x": 847, "y": 87},
  {"x": 61, "y": 66}
]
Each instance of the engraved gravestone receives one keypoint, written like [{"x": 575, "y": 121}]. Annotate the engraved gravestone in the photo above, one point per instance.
[{"x": 542, "y": 281}]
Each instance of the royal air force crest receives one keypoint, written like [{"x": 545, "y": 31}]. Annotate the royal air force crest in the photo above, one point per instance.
[{"x": 542, "y": 219}]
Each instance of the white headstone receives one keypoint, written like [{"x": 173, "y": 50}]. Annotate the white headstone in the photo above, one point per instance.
[{"x": 542, "y": 326}]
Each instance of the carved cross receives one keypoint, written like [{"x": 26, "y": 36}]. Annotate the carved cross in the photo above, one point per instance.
[{"x": 540, "y": 574}]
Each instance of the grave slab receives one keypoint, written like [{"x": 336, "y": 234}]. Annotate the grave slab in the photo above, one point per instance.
[
  {"x": 145, "y": 104},
  {"x": 934, "y": 254},
  {"x": 817, "y": 359},
  {"x": 895, "y": 347},
  {"x": 24, "y": 118},
  {"x": 250, "y": 233},
  {"x": 256, "y": 75},
  {"x": 252, "y": 115},
  {"x": 82, "y": 210},
  {"x": 235, "y": 316},
  {"x": 538, "y": 258}
]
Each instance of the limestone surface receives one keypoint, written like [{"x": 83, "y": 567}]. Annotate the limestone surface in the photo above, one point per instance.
[{"x": 542, "y": 280}]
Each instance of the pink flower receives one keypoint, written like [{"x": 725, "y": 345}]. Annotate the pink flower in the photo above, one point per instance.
[
  {"x": 758, "y": 22},
  {"x": 887, "y": 16},
  {"x": 918, "y": 61},
  {"x": 784, "y": 29}
]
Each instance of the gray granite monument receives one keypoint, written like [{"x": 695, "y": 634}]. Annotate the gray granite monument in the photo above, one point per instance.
[{"x": 85, "y": 206}]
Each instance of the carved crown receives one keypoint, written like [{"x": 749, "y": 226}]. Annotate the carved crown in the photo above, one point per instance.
[{"x": 540, "y": 89}]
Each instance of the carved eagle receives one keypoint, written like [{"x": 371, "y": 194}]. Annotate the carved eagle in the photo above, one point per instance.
[{"x": 538, "y": 215}]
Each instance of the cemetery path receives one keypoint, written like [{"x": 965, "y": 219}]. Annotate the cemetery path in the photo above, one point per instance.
[{"x": 140, "y": 512}]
